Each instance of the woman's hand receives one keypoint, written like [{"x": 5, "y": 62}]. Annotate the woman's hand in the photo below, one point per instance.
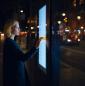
[{"x": 38, "y": 42}]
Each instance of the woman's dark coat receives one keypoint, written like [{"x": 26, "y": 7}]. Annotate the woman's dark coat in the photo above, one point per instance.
[{"x": 14, "y": 67}]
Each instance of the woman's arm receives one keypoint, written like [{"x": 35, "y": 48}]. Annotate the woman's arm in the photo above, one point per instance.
[{"x": 19, "y": 55}]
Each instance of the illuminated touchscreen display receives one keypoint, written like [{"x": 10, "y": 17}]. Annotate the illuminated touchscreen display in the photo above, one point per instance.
[{"x": 42, "y": 33}]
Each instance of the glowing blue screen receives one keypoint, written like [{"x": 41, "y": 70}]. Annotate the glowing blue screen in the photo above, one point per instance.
[{"x": 42, "y": 33}]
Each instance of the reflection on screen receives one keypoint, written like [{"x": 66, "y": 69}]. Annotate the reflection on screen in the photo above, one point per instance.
[{"x": 42, "y": 33}]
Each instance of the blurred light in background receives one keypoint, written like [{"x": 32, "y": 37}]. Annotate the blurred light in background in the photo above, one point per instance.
[
  {"x": 82, "y": 27},
  {"x": 59, "y": 22},
  {"x": 26, "y": 27},
  {"x": 65, "y": 19},
  {"x": 33, "y": 32},
  {"x": 68, "y": 40},
  {"x": 79, "y": 31},
  {"x": 37, "y": 26},
  {"x": 63, "y": 14},
  {"x": 78, "y": 17},
  {"x": 21, "y": 11},
  {"x": 2, "y": 36},
  {"x": 74, "y": 3},
  {"x": 78, "y": 40},
  {"x": 32, "y": 28},
  {"x": 67, "y": 30}
]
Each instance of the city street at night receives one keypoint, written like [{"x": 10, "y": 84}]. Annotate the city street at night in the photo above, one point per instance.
[
  {"x": 44, "y": 45},
  {"x": 73, "y": 65}
]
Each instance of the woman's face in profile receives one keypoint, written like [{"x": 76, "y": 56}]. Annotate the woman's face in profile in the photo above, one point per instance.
[{"x": 16, "y": 29}]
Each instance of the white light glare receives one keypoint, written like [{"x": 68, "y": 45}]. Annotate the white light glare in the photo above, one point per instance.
[
  {"x": 37, "y": 26},
  {"x": 21, "y": 11},
  {"x": 66, "y": 30},
  {"x": 78, "y": 17},
  {"x": 2, "y": 34},
  {"x": 59, "y": 22},
  {"x": 68, "y": 40},
  {"x": 32, "y": 28},
  {"x": 79, "y": 31},
  {"x": 82, "y": 27},
  {"x": 78, "y": 40},
  {"x": 63, "y": 14}
]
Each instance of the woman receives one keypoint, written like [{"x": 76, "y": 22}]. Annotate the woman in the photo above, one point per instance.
[{"x": 14, "y": 67}]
